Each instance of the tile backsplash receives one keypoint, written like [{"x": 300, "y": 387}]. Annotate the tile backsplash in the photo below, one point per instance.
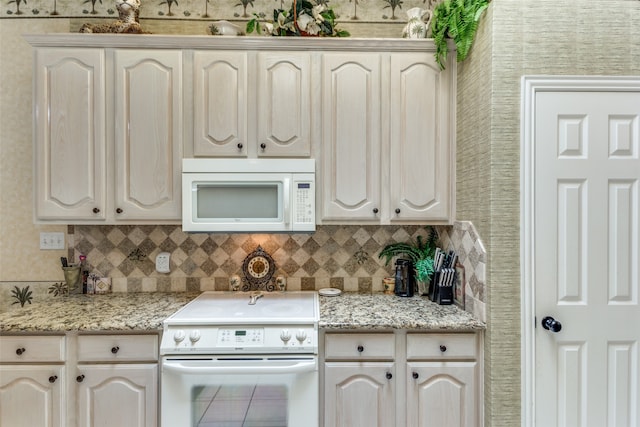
[{"x": 344, "y": 257}]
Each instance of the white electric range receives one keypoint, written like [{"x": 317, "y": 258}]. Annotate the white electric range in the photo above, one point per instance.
[{"x": 248, "y": 359}]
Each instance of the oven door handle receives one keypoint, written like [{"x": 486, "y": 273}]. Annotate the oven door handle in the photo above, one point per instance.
[{"x": 295, "y": 368}]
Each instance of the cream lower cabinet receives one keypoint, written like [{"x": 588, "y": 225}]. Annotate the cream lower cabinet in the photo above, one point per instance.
[
  {"x": 359, "y": 380},
  {"x": 79, "y": 380},
  {"x": 388, "y": 138},
  {"x": 32, "y": 381},
  {"x": 402, "y": 378},
  {"x": 108, "y": 132}
]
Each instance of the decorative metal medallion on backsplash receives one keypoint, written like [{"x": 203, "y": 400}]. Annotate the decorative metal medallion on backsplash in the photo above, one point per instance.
[{"x": 258, "y": 268}]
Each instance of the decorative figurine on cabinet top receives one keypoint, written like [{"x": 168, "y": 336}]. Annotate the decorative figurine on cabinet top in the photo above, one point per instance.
[
  {"x": 127, "y": 22},
  {"x": 417, "y": 24}
]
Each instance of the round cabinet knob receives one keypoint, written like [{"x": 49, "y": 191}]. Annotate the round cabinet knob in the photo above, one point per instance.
[
  {"x": 179, "y": 336},
  {"x": 375, "y": 210},
  {"x": 20, "y": 351},
  {"x": 95, "y": 210},
  {"x": 285, "y": 335},
  {"x": 194, "y": 336},
  {"x": 301, "y": 335},
  {"x": 443, "y": 348},
  {"x": 415, "y": 375},
  {"x": 240, "y": 145},
  {"x": 119, "y": 210},
  {"x": 80, "y": 378},
  {"x": 53, "y": 378},
  {"x": 115, "y": 349},
  {"x": 360, "y": 349},
  {"x": 263, "y": 146},
  {"x": 551, "y": 324},
  {"x": 397, "y": 210},
  {"x": 389, "y": 375}
]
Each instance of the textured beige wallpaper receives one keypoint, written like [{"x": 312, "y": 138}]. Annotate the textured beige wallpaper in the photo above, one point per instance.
[
  {"x": 516, "y": 38},
  {"x": 20, "y": 256}
]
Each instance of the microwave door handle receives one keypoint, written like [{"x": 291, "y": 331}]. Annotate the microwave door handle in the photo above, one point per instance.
[
  {"x": 286, "y": 184},
  {"x": 296, "y": 368}
]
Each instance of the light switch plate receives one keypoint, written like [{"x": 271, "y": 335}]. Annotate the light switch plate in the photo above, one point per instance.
[
  {"x": 51, "y": 241},
  {"x": 162, "y": 262}
]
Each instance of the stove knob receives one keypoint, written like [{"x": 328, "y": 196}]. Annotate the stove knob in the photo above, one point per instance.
[
  {"x": 285, "y": 336},
  {"x": 178, "y": 336},
  {"x": 194, "y": 336},
  {"x": 301, "y": 335}
]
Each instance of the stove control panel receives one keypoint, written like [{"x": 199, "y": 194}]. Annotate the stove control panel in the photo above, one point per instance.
[{"x": 203, "y": 339}]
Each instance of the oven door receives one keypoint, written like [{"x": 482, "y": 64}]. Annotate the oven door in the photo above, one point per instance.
[{"x": 247, "y": 391}]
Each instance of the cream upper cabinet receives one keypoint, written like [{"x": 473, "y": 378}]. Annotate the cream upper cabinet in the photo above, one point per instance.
[
  {"x": 388, "y": 147},
  {"x": 108, "y": 142},
  {"x": 220, "y": 98},
  {"x": 70, "y": 150},
  {"x": 351, "y": 127},
  {"x": 148, "y": 134},
  {"x": 284, "y": 107},
  {"x": 262, "y": 113},
  {"x": 421, "y": 124}
]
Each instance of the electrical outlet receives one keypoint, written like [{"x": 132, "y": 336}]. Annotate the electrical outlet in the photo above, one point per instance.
[
  {"x": 162, "y": 262},
  {"x": 51, "y": 241}
]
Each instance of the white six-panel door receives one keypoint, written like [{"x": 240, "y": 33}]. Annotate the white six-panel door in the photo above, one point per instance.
[{"x": 581, "y": 237}]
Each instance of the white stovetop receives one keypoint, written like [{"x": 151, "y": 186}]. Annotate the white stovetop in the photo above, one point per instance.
[{"x": 233, "y": 308}]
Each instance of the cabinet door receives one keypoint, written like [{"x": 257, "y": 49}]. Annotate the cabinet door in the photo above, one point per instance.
[
  {"x": 421, "y": 155},
  {"x": 69, "y": 116},
  {"x": 351, "y": 136},
  {"x": 148, "y": 123},
  {"x": 117, "y": 395},
  {"x": 284, "y": 104},
  {"x": 359, "y": 394},
  {"x": 442, "y": 394},
  {"x": 32, "y": 396},
  {"x": 220, "y": 104}
]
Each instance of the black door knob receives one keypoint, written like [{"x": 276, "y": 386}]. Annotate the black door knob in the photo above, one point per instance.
[
  {"x": 397, "y": 210},
  {"x": 415, "y": 375},
  {"x": 551, "y": 324},
  {"x": 115, "y": 349},
  {"x": 20, "y": 351},
  {"x": 263, "y": 146},
  {"x": 96, "y": 210},
  {"x": 240, "y": 146},
  {"x": 80, "y": 378},
  {"x": 53, "y": 378},
  {"x": 118, "y": 210},
  {"x": 375, "y": 210},
  {"x": 389, "y": 375},
  {"x": 443, "y": 348},
  {"x": 360, "y": 349}
]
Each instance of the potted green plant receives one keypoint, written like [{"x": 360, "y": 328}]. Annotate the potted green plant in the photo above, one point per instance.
[
  {"x": 420, "y": 252},
  {"x": 305, "y": 18},
  {"x": 458, "y": 20}
]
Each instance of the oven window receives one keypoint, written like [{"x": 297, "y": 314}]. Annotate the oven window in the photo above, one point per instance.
[
  {"x": 259, "y": 405},
  {"x": 246, "y": 200}
]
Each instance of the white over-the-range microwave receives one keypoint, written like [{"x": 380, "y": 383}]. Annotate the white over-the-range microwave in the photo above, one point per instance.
[{"x": 248, "y": 195}]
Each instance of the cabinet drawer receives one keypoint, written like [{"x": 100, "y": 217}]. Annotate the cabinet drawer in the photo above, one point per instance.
[
  {"x": 117, "y": 348},
  {"x": 32, "y": 349},
  {"x": 442, "y": 346},
  {"x": 359, "y": 346}
]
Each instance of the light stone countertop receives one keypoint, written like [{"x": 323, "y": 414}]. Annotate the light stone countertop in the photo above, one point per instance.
[
  {"x": 381, "y": 311},
  {"x": 146, "y": 311}
]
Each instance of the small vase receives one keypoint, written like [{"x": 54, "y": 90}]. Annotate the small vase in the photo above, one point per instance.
[
  {"x": 72, "y": 278},
  {"x": 423, "y": 287},
  {"x": 417, "y": 24}
]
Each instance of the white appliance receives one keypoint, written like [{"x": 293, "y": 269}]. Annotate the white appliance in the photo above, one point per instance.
[
  {"x": 248, "y": 195},
  {"x": 245, "y": 359}
]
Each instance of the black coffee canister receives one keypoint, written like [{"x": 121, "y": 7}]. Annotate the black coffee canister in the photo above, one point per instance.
[{"x": 405, "y": 279}]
